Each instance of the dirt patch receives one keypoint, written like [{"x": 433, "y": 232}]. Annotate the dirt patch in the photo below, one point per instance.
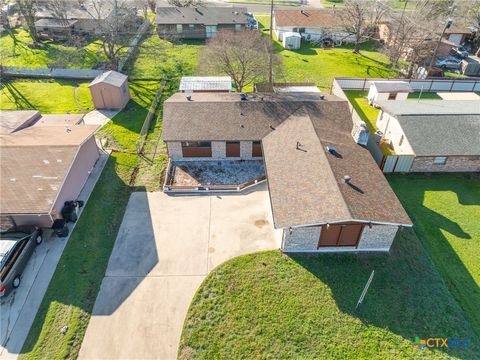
[{"x": 261, "y": 223}]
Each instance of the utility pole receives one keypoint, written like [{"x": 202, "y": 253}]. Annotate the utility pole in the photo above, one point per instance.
[
  {"x": 270, "y": 55},
  {"x": 448, "y": 23}
]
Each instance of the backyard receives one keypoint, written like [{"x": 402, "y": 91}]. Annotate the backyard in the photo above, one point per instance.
[
  {"x": 50, "y": 54},
  {"x": 273, "y": 305},
  {"x": 320, "y": 65},
  {"x": 445, "y": 209}
]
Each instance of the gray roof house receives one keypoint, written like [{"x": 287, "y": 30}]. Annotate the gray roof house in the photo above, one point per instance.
[
  {"x": 439, "y": 135},
  {"x": 324, "y": 188},
  {"x": 199, "y": 22}
]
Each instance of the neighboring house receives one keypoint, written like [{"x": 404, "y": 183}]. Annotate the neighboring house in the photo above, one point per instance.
[
  {"x": 12, "y": 121},
  {"x": 110, "y": 91},
  {"x": 388, "y": 90},
  {"x": 458, "y": 34},
  {"x": 433, "y": 135},
  {"x": 312, "y": 24},
  {"x": 199, "y": 22},
  {"x": 190, "y": 84},
  {"x": 41, "y": 168},
  {"x": 327, "y": 193},
  {"x": 81, "y": 20}
]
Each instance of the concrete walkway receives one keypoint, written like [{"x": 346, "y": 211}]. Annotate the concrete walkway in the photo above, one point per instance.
[
  {"x": 18, "y": 310},
  {"x": 165, "y": 247},
  {"x": 99, "y": 117}
]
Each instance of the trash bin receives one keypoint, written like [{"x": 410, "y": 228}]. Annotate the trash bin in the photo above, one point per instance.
[{"x": 60, "y": 228}]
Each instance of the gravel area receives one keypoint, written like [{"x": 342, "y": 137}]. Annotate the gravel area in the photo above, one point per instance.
[{"x": 224, "y": 172}]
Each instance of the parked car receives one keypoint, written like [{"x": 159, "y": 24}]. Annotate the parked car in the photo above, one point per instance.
[
  {"x": 16, "y": 248},
  {"x": 450, "y": 63}
]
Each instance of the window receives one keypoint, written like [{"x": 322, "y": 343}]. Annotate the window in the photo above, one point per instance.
[
  {"x": 233, "y": 149},
  {"x": 301, "y": 30},
  {"x": 179, "y": 28},
  {"x": 257, "y": 149},
  {"x": 440, "y": 160},
  {"x": 295, "y": 29},
  {"x": 14, "y": 255},
  {"x": 392, "y": 96},
  {"x": 238, "y": 27},
  {"x": 197, "y": 149}
]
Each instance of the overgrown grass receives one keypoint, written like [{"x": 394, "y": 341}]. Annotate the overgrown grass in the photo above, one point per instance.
[
  {"x": 426, "y": 95},
  {"x": 51, "y": 54},
  {"x": 46, "y": 96},
  {"x": 445, "y": 209},
  {"x": 268, "y": 305},
  {"x": 320, "y": 65}
]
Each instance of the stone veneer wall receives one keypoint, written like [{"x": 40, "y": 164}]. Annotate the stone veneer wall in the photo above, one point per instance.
[
  {"x": 377, "y": 237},
  {"x": 219, "y": 149},
  {"x": 301, "y": 239},
  {"x": 246, "y": 149},
  {"x": 453, "y": 164}
]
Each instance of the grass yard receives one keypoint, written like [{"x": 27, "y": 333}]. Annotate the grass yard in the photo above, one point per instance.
[
  {"x": 46, "y": 96},
  {"x": 52, "y": 54},
  {"x": 445, "y": 209},
  {"x": 320, "y": 66},
  {"x": 157, "y": 58},
  {"x": 269, "y": 305}
]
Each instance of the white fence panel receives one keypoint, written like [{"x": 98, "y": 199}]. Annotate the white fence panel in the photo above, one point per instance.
[
  {"x": 389, "y": 164},
  {"x": 477, "y": 86},
  {"x": 404, "y": 163},
  {"x": 463, "y": 86},
  {"x": 441, "y": 86}
]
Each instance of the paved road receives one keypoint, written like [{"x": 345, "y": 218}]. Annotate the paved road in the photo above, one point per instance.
[{"x": 165, "y": 247}]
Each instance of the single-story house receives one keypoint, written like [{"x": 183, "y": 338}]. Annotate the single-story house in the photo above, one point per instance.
[
  {"x": 190, "y": 84},
  {"x": 41, "y": 168},
  {"x": 15, "y": 120},
  {"x": 85, "y": 19},
  {"x": 327, "y": 193},
  {"x": 110, "y": 90},
  {"x": 199, "y": 22},
  {"x": 312, "y": 24},
  {"x": 437, "y": 135},
  {"x": 388, "y": 90},
  {"x": 457, "y": 33}
]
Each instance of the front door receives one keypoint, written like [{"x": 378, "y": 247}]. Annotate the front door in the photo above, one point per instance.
[{"x": 340, "y": 235}]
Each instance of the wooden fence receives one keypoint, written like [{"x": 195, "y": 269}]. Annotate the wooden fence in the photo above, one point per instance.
[{"x": 148, "y": 119}]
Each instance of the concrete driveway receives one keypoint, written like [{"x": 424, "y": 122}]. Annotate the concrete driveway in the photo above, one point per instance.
[{"x": 165, "y": 247}]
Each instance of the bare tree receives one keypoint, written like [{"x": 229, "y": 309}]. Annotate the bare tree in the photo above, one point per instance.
[
  {"x": 152, "y": 4},
  {"x": 117, "y": 24},
  {"x": 59, "y": 10},
  {"x": 28, "y": 10},
  {"x": 358, "y": 16},
  {"x": 8, "y": 27},
  {"x": 185, "y": 3},
  {"x": 243, "y": 55}
]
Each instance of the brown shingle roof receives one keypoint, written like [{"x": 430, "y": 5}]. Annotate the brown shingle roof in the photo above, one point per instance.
[
  {"x": 313, "y": 18},
  {"x": 34, "y": 163},
  {"x": 306, "y": 187},
  {"x": 12, "y": 120}
]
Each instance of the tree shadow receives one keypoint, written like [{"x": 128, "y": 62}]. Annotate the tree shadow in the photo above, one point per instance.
[{"x": 21, "y": 102}]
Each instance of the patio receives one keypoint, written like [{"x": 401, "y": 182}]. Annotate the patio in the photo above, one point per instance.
[{"x": 214, "y": 175}]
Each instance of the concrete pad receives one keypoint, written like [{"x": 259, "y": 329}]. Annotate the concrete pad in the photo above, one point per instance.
[
  {"x": 99, "y": 117},
  {"x": 18, "y": 310},
  {"x": 165, "y": 247},
  {"x": 458, "y": 95}
]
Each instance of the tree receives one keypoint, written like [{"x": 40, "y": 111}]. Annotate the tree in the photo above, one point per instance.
[
  {"x": 59, "y": 10},
  {"x": 243, "y": 55},
  {"x": 117, "y": 23},
  {"x": 185, "y": 3},
  {"x": 28, "y": 10}
]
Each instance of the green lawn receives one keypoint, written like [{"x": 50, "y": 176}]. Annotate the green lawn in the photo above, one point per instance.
[
  {"x": 424, "y": 95},
  {"x": 313, "y": 64},
  {"x": 269, "y": 305},
  {"x": 52, "y": 54},
  {"x": 46, "y": 96},
  {"x": 445, "y": 209}
]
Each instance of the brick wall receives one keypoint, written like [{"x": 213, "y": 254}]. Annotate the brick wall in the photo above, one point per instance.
[
  {"x": 174, "y": 150},
  {"x": 219, "y": 149},
  {"x": 377, "y": 237},
  {"x": 246, "y": 149},
  {"x": 453, "y": 164}
]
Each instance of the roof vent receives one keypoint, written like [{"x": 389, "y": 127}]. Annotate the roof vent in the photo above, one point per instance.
[
  {"x": 300, "y": 146},
  {"x": 189, "y": 98},
  {"x": 271, "y": 127},
  {"x": 243, "y": 97},
  {"x": 322, "y": 97},
  {"x": 347, "y": 179},
  {"x": 331, "y": 149}
]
